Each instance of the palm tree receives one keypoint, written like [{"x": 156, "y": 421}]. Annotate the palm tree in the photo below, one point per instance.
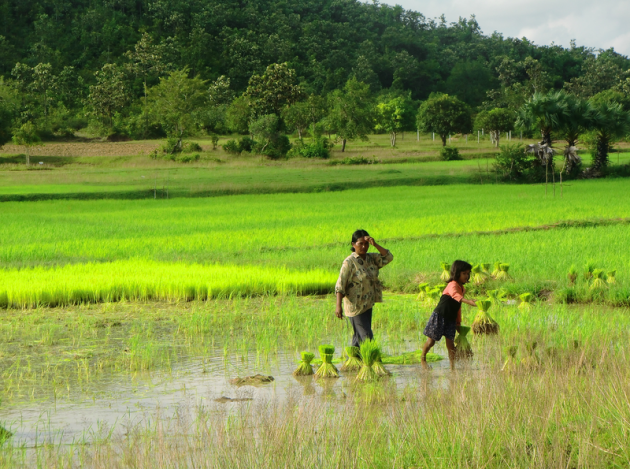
[
  {"x": 609, "y": 122},
  {"x": 574, "y": 122},
  {"x": 544, "y": 112}
]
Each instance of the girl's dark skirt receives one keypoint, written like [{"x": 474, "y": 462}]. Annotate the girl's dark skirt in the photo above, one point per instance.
[{"x": 437, "y": 327}]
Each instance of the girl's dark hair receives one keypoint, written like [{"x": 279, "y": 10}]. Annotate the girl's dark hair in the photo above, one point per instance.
[
  {"x": 457, "y": 268},
  {"x": 358, "y": 235}
]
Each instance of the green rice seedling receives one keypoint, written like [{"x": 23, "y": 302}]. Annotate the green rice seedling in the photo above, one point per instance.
[
  {"x": 526, "y": 300},
  {"x": 433, "y": 294},
  {"x": 599, "y": 281},
  {"x": 370, "y": 351},
  {"x": 378, "y": 366},
  {"x": 483, "y": 323},
  {"x": 422, "y": 295},
  {"x": 4, "y": 434},
  {"x": 531, "y": 361},
  {"x": 327, "y": 369},
  {"x": 496, "y": 296},
  {"x": 353, "y": 362},
  {"x": 477, "y": 275},
  {"x": 305, "y": 368},
  {"x": 589, "y": 267},
  {"x": 485, "y": 268},
  {"x": 446, "y": 271},
  {"x": 611, "y": 277},
  {"x": 572, "y": 274},
  {"x": 503, "y": 272},
  {"x": 497, "y": 269},
  {"x": 411, "y": 358},
  {"x": 462, "y": 346},
  {"x": 510, "y": 365}
]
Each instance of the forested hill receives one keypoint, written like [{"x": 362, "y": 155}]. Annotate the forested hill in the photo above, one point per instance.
[{"x": 325, "y": 41}]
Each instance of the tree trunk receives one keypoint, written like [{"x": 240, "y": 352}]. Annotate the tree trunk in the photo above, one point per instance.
[
  {"x": 601, "y": 157},
  {"x": 443, "y": 137},
  {"x": 546, "y": 136},
  {"x": 299, "y": 133},
  {"x": 497, "y": 138},
  {"x": 392, "y": 139},
  {"x": 343, "y": 145}
]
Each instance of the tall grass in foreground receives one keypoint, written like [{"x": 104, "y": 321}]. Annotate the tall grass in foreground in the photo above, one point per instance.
[
  {"x": 150, "y": 280},
  {"x": 571, "y": 413}
]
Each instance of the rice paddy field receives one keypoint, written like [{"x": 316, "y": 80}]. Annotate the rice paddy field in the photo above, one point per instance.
[{"x": 123, "y": 322}]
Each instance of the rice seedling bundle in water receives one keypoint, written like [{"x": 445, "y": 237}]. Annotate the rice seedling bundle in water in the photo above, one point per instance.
[
  {"x": 503, "y": 272},
  {"x": 378, "y": 366},
  {"x": 496, "y": 295},
  {"x": 327, "y": 369},
  {"x": 305, "y": 368},
  {"x": 462, "y": 346},
  {"x": 510, "y": 365},
  {"x": 483, "y": 323},
  {"x": 353, "y": 361},
  {"x": 611, "y": 277},
  {"x": 370, "y": 352},
  {"x": 598, "y": 280},
  {"x": 526, "y": 300},
  {"x": 531, "y": 360},
  {"x": 446, "y": 272},
  {"x": 478, "y": 277}
]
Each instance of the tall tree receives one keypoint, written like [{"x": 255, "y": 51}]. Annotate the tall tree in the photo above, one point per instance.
[
  {"x": 109, "y": 94},
  {"x": 543, "y": 112},
  {"x": 609, "y": 123},
  {"x": 176, "y": 102},
  {"x": 26, "y": 136},
  {"x": 351, "y": 114},
  {"x": 393, "y": 115},
  {"x": 496, "y": 122},
  {"x": 272, "y": 90},
  {"x": 445, "y": 115}
]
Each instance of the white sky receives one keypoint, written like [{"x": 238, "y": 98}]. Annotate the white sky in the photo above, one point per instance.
[{"x": 599, "y": 24}]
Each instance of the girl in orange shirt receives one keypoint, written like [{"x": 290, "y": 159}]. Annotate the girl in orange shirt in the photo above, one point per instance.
[{"x": 447, "y": 316}]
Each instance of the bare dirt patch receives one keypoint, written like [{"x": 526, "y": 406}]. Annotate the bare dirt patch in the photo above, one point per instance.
[{"x": 86, "y": 149}]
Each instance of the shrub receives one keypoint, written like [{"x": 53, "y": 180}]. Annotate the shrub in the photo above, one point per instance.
[
  {"x": 188, "y": 158},
  {"x": 355, "y": 160},
  {"x": 449, "y": 154},
  {"x": 214, "y": 138},
  {"x": 190, "y": 147},
  {"x": 231, "y": 147},
  {"x": 512, "y": 162},
  {"x": 236, "y": 148},
  {"x": 172, "y": 146},
  {"x": 320, "y": 148}
]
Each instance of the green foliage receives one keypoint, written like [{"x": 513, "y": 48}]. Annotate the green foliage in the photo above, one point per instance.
[
  {"x": 271, "y": 142},
  {"x": 270, "y": 92},
  {"x": 238, "y": 115},
  {"x": 355, "y": 160},
  {"x": 245, "y": 144},
  {"x": 512, "y": 163},
  {"x": 543, "y": 112},
  {"x": 351, "y": 114},
  {"x": 496, "y": 122},
  {"x": 449, "y": 154},
  {"x": 609, "y": 123},
  {"x": 188, "y": 158},
  {"x": 470, "y": 80},
  {"x": 393, "y": 116},
  {"x": 444, "y": 115},
  {"x": 8, "y": 111},
  {"x": 319, "y": 148},
  {"x": 26, "y": 136},
  {"x": 109, "y": 95},
  {"x": 176, "y": 103}
]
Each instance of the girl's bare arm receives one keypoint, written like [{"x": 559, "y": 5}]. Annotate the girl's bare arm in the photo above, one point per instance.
[{"x": 469, "y": 302}]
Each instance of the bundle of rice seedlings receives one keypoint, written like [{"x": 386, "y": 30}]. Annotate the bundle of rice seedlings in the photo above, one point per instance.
[
  {"x": 485, "y": 268},
  {"x": 483, "y": 323},
  {"x": 610, "y": 277},
  {"x": 462, "y": 346},
  {"x": 305, "y": 368},
  {"x": 503, "y": 272},
  {"x": 526, "y": 300},
  {"x": 369, "y": 351},
  {"x": 531, "y": 360},
  {"x": 446, "y": 271},
  {"x": 598, "y": 279},
  {"x": 588, "y": 270},
  {"x": 378, "y": 366},
  {"x": 434, "y": 293},
  {"x": 353, "y": 363},
  {"x": 327, "y": 369},
  {"x": 572, "y": 274},
  {"x": 423, "y": 291},
  {"x": 497, "y": 269},
  {"x": 510, "y": 365},
  {"x": 477, "y": 275},
  {"x": 496, "y": 296}
]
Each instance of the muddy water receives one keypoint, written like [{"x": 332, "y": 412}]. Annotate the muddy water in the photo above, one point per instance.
[{"x": 124, "y": 402}]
